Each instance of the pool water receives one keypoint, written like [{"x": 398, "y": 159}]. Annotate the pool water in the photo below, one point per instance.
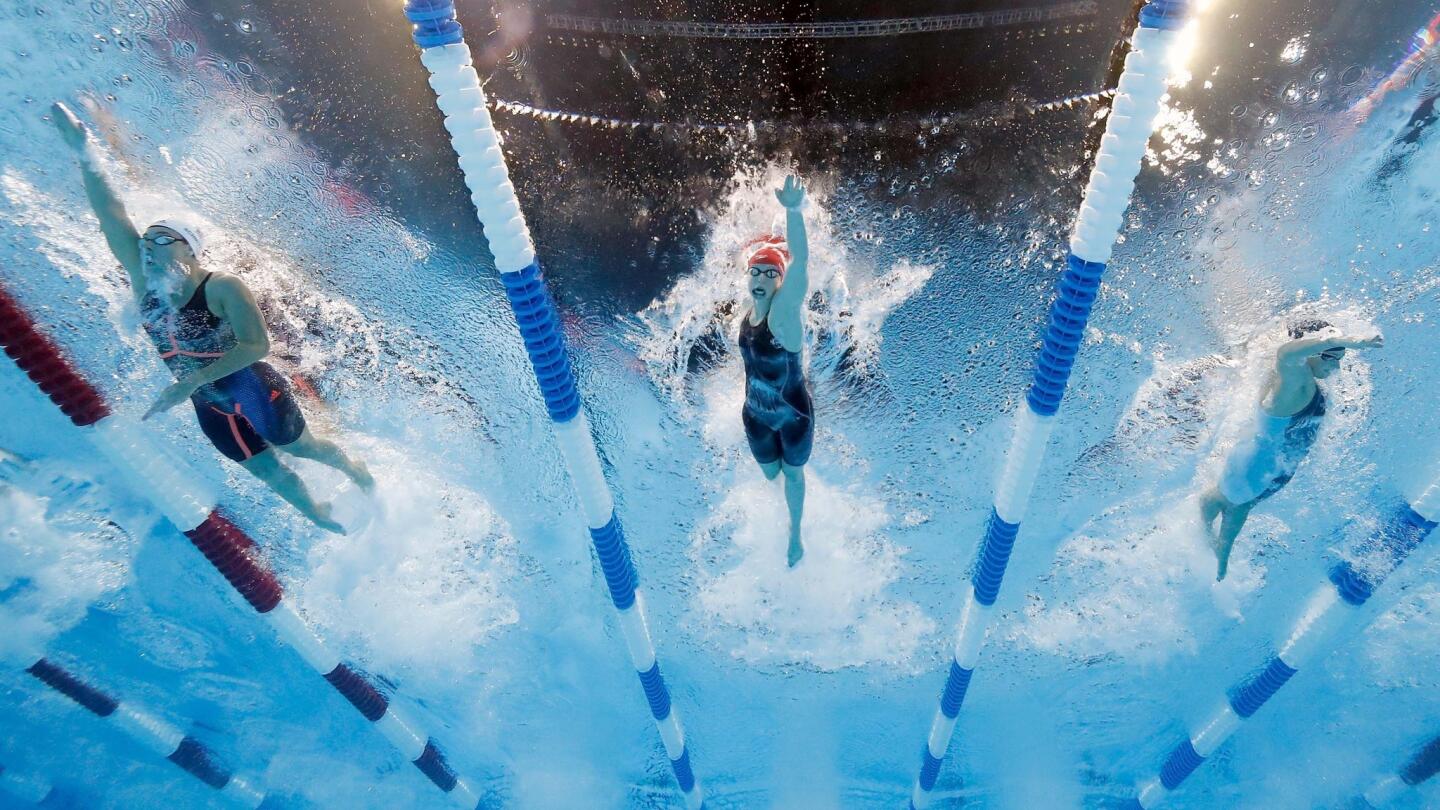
[{"x": 472, "y": 595}]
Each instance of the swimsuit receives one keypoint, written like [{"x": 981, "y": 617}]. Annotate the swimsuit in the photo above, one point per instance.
[
  {"x": 1263, "y": 464},
  {"x": 243, "y": 413},
  {"x": 778, "y": 420}
]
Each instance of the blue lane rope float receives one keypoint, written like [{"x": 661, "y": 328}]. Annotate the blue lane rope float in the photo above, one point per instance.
[
  {"x": 1420, "y": 768},
  {"x": 154, "y": 734},
  {"x": 477, "y": 146},
  {"x": 1399, "y": 531},
  {"x": 169, "y": 484},
  {"x": 1112, "y": 181}
]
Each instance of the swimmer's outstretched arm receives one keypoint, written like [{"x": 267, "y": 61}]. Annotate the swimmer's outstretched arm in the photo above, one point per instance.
[
  {"x": 1293, "y": 355},
  {"x": 790, "y": 299},
  {"x": 1292, "y": 384},
  {"x": 115, "y": 224},
  {"x": 231, "y": 300}
]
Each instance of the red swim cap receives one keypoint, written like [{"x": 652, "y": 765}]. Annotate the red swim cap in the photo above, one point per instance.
[{"x": 768, "y": 250}]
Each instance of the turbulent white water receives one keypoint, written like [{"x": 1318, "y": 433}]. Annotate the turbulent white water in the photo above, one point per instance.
[
  {"x": 837, "y": 609},
  {"x": 469, "y": 593},
  {"x": 57, "y": 557}
]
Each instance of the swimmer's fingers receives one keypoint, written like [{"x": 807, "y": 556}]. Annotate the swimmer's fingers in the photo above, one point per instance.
[
  {"x": 792, "y": 194},
  {"x": 172, "y": 395}
]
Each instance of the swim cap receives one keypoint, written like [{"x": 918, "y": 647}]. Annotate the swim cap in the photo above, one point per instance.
[
  {"x": 188, "y": 227},
  {"x": 1306, "y": 326},
  {"x": 768, "y": 250}
]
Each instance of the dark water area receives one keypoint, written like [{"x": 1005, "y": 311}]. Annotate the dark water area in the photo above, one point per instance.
[
  {"x": 619, "y": 212},
  {"x": 936, "y": 122}
]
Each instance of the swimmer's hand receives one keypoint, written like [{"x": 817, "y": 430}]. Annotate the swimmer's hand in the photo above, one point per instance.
[
  {"x": 172, "y": 395},
  {"x": 792, "y": 196},
  {"x": 72, "y": 129}
]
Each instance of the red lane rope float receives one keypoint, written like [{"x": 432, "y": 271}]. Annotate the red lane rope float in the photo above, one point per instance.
[
  {"x": 43, "y": 362},
  {"x": 226, "y": 546},
  {"x": 155, "y": 733},
  {"x": 232, "y": 552}
]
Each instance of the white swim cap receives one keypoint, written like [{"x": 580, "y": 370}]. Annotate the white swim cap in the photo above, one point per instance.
[{"x": 189, "y": 228}]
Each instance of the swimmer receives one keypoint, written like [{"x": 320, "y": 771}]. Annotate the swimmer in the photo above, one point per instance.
[
  {"x": 779, "y": 423},
  {"x": 213, "y": 337},
  {"x": 1288, "y": 421},
  {"x": 1424, "y": 47},
  {"x": 1419, "y": 68}
]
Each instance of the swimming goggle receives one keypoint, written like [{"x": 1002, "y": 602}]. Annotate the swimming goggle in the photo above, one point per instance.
[
  {"x": 163, "y": 240},
  {"x": 769, "y": 272},
  {"x": 1332, "y": 354}
]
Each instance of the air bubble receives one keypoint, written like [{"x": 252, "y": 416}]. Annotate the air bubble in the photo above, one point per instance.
[
  {"x": 1294, "y": 51},
  {"x": 245, "y": 26}
]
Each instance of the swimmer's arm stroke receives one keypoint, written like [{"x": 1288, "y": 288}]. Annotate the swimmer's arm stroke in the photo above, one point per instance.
[
  {"x": 790, "y": 299},
  {"x": 120, "y": 233},
  {"x": 232, "y": 302},
  {"x": 1293, "y": 383},
  {"x": 1293, "y": 354}
]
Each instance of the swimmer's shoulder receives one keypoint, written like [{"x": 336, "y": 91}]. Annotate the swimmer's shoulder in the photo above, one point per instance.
[{"x": 222, "y": 287}]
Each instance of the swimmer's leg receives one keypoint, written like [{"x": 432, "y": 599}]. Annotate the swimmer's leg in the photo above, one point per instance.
[
  {"x": 1211, "y": 504},
  {"x": 1232, "y": 520},
  {"x": 795, "y": 501},
  {"x": 265, "y": 466},
  {"x": 770, "y": 468},
  {"x": 329, "y": 453}
]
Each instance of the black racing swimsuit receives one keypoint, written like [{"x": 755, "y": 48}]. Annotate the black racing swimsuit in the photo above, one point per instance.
[
  {"x": 779, "y": 422},
  {"x": 243, "y": 413},
  {"x": 1299, "y": 436}
]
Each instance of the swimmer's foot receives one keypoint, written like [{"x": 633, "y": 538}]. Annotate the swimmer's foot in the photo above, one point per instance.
[
  {"x": 322, "y": 518},
  {"x": 797, "y": 551},
  {"x": 360, "y": 474}
]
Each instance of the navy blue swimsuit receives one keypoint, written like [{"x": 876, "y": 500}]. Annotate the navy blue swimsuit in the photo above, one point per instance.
[
  {"x": 779, "y": 422},
  {"x": 1265, "y": 462},
  {"x": 243, "y": 413}
]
